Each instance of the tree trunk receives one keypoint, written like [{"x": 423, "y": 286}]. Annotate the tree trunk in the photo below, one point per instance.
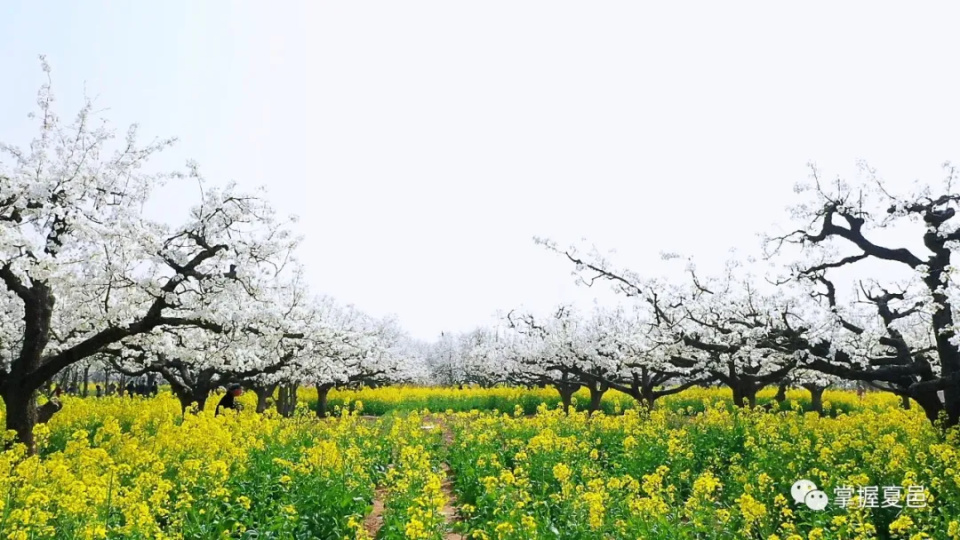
[
  {"x": 647, "y": 398},
  {"x": 738, "y": 397},
  {"x": 264, "y": 393},
  {"x": 905, "y": 402},
  {"x": 816, "y": 397},
  {"x": 86, "y": 381},
  {"x": 262, "y": 397},
  {"x": 281, "y": 399},
  {"x": 781, "y": 393},
  {"x": 566, "y": 395},
  {"x": 287, "y": 400},
  {"x": 46, "y": 411},
  {"x": 944, "y": 333},
  {"x": 323, "y": 391},
  {"x": 931, "y": 405},
  {"x": 189, "y": 397},
  {"x": 744, "y": 393},
  {"x": 22, "y": 416},
  {"x": 597, "y": 390},
  {"x": 291, "y": 406}
]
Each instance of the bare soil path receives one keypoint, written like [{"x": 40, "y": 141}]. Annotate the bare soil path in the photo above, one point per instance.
[
  {"x": 374, "y": 520},
  {"x": 450, "y": 510}
]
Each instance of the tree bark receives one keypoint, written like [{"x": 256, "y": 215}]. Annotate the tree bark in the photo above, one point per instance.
[
  {"x": 291, "y": 399},
  {"x": 86, "y": 380},
  {"x": 597, "y": 390},
  {"x": 287, "y": 400},
  {"x": 282, "y": 400},
  {"x": 188, "y": 397},
  {"x": 46, "y": 411},
  {"x": 781, "y": 393},
  {"x": 905, "y": 402},
  {"x": 738, "y": 397},
  {"x": 22, "y": 416},
  {"x": 648, "y": 398},
  {"x": 744, "y": 395},
  {"x": 816, "y": 397},
  {"x": 566, "y": 395},
  {"x": 323, "y": 391},
  {"x": 264, "y": 393},
  {"x": 931, "y": 405}
]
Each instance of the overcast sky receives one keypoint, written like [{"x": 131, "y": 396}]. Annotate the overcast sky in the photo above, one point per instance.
[{"x": 423, "y": 144}]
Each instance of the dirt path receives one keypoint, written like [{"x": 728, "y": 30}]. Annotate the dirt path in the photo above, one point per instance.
[
  {"x": 450, "y": 512},
  {"x": 374, "y": 520},
  {"x": 450, "y": 509}
]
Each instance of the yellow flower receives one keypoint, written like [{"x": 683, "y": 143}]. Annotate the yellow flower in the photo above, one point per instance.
[
  {"x": 901, "y": 525},
  {"x": 561, "y": 472}
]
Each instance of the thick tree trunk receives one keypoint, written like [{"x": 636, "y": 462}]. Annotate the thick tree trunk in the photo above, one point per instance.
[
  {"x": 566, "y": 395},
  {"x": 597, "y": 390},
  {"x": 816, "y": 397},
  {"x": 944, "y": 333},
  {"x": 22, "y": 416},
  {"x": 18, "y": 393},
  {"x": 287, "y": 400},
  {"x": 190, "y": 397},
  {"x": 905, "y": 402},
  {"x": 323, "y": 391},
  {"x": 647, "y": 398},
  {"x": 46, "y": 411},
  {"x": 739, "y": 398},
  {"x": 185, "y": 402},
  {"x": 264, "y": 393},
  {"x": 781, "y": 393},
  {"x": 281, "y": 399},
  {"x": 952, "y": 406},
  {"x": 745, "y": 397},
  {"x": 744, "y": 393},
  {"x": 931, "y": 405}
]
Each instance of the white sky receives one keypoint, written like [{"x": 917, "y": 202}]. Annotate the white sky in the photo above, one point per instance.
[{"x": 423, "y": 144}]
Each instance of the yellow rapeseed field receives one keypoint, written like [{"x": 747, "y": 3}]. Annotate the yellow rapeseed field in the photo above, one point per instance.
[{"x": 693, "y": 468}]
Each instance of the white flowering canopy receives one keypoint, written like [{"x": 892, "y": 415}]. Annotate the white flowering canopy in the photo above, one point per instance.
[
  {"x": 82, "y": 269},
  {"x": 901, "y": 332}
]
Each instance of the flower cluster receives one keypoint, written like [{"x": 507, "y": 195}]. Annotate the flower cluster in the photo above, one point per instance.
[
  {"x": 132, "y": 468},
  {"x": 722, "y": 473}
]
